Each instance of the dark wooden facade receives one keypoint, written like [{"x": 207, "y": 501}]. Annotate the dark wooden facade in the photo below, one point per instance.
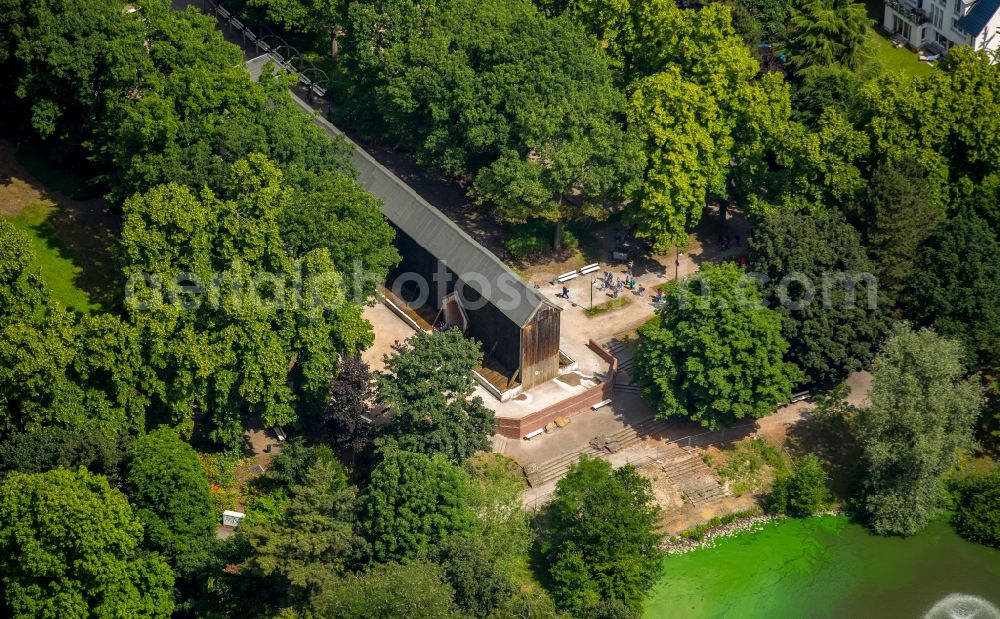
[
  {"x": 528, "y": 353},
  {"x": 540, "y": 347}
]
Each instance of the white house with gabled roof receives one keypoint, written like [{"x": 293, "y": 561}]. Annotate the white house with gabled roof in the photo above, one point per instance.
[{"x": 938, "y": 25}]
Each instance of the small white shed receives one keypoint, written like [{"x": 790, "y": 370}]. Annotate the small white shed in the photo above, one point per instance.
[{"x": 232, "y": 519}]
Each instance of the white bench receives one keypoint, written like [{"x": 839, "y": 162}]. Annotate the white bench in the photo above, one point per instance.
[
  {"x": 590, "y": 268},
  {"x": 278, "y": 432},
  {"x": 600, "y": 404},
  {"x": 565, "y": 277},
  {"x": 531, "y": 435},
  {"x": 798, "y": 397}
]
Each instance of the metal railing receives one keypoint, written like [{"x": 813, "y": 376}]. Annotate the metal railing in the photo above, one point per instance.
[{"x": 266, "y": 42}]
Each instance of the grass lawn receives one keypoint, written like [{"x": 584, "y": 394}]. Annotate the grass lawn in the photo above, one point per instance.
[
  {"x": 894, "y": 58},
  {"x": 613, "y": 304},
  {"x": 70, "y": 232},
  {"x": 59, "y": 271}
]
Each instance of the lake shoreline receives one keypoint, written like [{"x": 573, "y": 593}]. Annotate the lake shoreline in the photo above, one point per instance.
[{"x": 750, "y": 524}]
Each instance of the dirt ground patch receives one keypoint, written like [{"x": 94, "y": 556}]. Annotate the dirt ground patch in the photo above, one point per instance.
[
  {"x": 673, "y": 523},
  {"x": 667, "y": 495},
  {"x": 17, "y": 188}
]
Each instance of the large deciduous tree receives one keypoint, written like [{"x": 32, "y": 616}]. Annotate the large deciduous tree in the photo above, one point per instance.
[
  {"x": 495, "y": 90},
  {"x": 600, "y": 537},
  {"x": 330, "y": 210},
  {"x": 715, "y": 353},
  {"x": 429, "y": 386},
  {"x": 254, "y": 331},
  {"x": 922, "y": 412},
  {"x": 169, "y": 490},
  {"x": 708, "y": 122},
  {"x": 955, "y": 285},
  {"x": 688, "y": 147},
  {"x": 414, "y": 501},
  {"x": 69, "y": 548},
  {"x": 820, "y": 281}
]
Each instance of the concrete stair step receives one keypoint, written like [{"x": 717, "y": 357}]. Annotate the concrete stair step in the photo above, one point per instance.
[{"x": 557, "y": 467}]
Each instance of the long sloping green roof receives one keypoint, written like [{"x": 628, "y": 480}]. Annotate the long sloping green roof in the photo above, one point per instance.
[{"x": 476, "y": 266}]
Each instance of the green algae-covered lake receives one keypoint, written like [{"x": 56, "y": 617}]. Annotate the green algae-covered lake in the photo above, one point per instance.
[{"x": 827, "y": 567}]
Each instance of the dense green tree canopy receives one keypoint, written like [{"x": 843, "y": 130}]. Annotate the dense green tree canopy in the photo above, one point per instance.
[
  {"x": 816, "y": 168},
  {"x": 389, "y": 590},
  {"x": 696, "y": 106},
  {"x": 947, "y": 121},
  {"x": 496, "y": 90},
  {"x": 49, "y": 448},
  {"x": 57, "y": 369},
  {"x": 480, "y": 582},
  {"x": 820, "y": 281},
  {"x": 330, "y": 210},
  {"x": 69, "y": 548},
  {"x": 828, "y": 32},
  {"x": 955, "y": 285},
  {"x": 714, "y": 353},
  {"x": 63, "y": 58},
  {"x": 263, "y": 332},
  {"x": 315, "y": 539},
  {"x": 900, "y": 209},
  {"x": 150, "y": 96},
  {"x": 429, "y": 386},
  {"x": 414, "y": 501},
  {"x": 168, "y": 488},
  {"x": 978, "y": 516},
  {"x": 922, "y": 413},
  {"x": 688, "y": 148},
  {"x": 600, "y": 538}
]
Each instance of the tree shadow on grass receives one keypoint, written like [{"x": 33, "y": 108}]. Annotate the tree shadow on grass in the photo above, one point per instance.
[
  {"x": 63, "y": 210},
  {"x": 832, "y": 437},
  {"x": 84, "y": 234}
]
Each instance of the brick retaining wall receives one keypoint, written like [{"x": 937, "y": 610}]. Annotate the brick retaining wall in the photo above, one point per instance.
[{"x": 518, "y": 427}]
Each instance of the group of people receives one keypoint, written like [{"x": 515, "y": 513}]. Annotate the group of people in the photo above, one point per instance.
[{"x": 616, "y": 285}]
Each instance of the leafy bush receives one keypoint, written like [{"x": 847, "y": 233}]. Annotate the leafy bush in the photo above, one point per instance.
[
  {"x": 613, "y": 304},
  {"x": 221, "y": 468},
  {"x": 748, "y": 465},
  {"x": 267, "y": 507},
  {"x": 978, "y": 516},
  {"x": 804, "y": 491}
]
